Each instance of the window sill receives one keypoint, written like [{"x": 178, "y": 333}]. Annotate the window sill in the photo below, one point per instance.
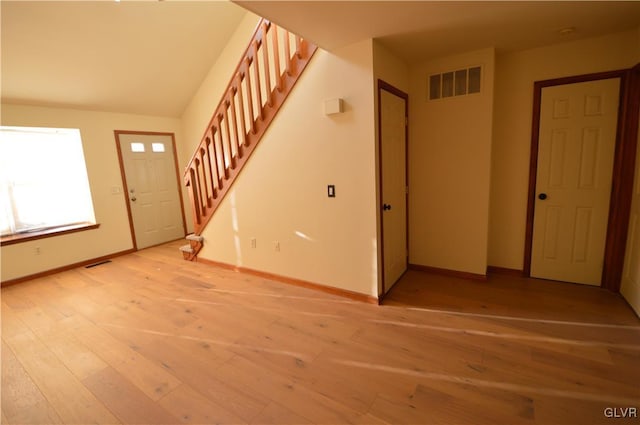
[{"x": 48, "y": 233}]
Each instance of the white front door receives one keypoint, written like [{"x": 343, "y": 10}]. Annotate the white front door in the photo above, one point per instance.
[
  {"x": 152, "y": 187},
  {"x": 393, "y": 158},
  {"x": 577, "y": 139}
]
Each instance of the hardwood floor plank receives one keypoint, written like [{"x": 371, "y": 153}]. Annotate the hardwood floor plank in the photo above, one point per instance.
[
  {"x": 22, "y": 401},
  {"x": 502, "y": 295},
  {"x": 11, "y": 324},
  {"x": 202, "y": 375},
  {"x": 191, "y": 407},
  {"x": 147, "y": 376},
  {"x": 127, "y": 402},
  {"x": 451, "y": 403},
  {"x": 150, "y": 338},
  {"x": 276, "y": 414},
  {"x": 351, "y": 391},
  {"x": 552, "y": 410},
  {"x": 38, "y": 320},
  {"x": 68, "y": 397},
  {"x": 80, "y": 360}
]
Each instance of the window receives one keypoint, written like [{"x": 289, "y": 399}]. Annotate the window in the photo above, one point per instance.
[
  {"x": 43, "y": 180},
  {"x": 137, "y": 147}
]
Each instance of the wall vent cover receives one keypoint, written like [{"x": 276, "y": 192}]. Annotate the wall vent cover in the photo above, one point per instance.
[{"x": 454, "y": 83}]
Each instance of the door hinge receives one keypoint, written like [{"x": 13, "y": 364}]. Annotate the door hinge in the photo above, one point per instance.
[
  {"x": 406, "y": 190},
  {"x": 406, "y": 121}
]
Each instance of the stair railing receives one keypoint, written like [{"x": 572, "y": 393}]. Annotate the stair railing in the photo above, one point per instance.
[{"x": 265, "y": 75}]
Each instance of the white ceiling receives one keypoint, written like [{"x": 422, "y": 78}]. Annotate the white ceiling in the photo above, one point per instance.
[
  {"x": 134, "y": 57},
  {"x": 149, "y": 57},
  {"x": 419, "y": 30}
]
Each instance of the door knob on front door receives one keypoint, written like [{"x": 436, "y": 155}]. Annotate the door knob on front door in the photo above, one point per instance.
[
  {"x": 386, "y": 207},
  {"x": 134, "y": 199},
  {"x": 542, "y": 196}
]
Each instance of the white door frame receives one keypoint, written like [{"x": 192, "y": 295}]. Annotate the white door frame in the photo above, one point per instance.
[
  {"x": 124, "y": 177},
  {"x": 382, "y": 85},
  {"x": 619, "y": 206}
]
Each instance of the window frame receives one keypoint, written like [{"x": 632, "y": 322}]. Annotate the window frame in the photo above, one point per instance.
[
  {"x": 47, "y": 233},
  {"x": 54, "y": 229}
]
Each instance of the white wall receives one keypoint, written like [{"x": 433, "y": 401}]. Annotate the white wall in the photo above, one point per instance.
[
  {"x": 515, "y": 74},
  {"x": 103, "y": 170},
  {"x": 630, "y": 287},
  {"x": 198, "y": 113},
  {"x": 389, "y": 67},
  {"x": 449, "y": 169},
  {"x": 281, "y": 195},
  {"x": 638, "y": 46}
]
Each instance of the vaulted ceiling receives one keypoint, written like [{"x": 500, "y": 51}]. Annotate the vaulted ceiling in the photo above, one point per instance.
[
  {"x": 135, "y": 57},
  {"x": 149, "y": 57}
]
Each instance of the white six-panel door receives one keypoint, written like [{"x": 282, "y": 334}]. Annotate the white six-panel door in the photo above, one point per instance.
[
  {"x": 577, "y": 138},
  {"x": 153, "y": 192}
]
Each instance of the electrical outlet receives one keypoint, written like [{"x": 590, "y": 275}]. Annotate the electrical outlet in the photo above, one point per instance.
[
  {"x": 254, "y": 243},
  {"x": 276, "y": 246}
]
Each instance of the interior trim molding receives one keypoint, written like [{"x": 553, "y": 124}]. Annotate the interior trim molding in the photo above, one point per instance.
[
  {"x": 449, "y": 272},
  {"x": 64, "y": 268},
  {"x": 355, "y": 296}
]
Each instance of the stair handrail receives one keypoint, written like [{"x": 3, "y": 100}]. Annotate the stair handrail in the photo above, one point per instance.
[
  {"x": 230, "y": 136},
  {"x": 256, "y": 37}
]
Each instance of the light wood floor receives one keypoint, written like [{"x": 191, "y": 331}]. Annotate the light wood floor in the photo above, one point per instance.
[{"x": 152, "y": 339}]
